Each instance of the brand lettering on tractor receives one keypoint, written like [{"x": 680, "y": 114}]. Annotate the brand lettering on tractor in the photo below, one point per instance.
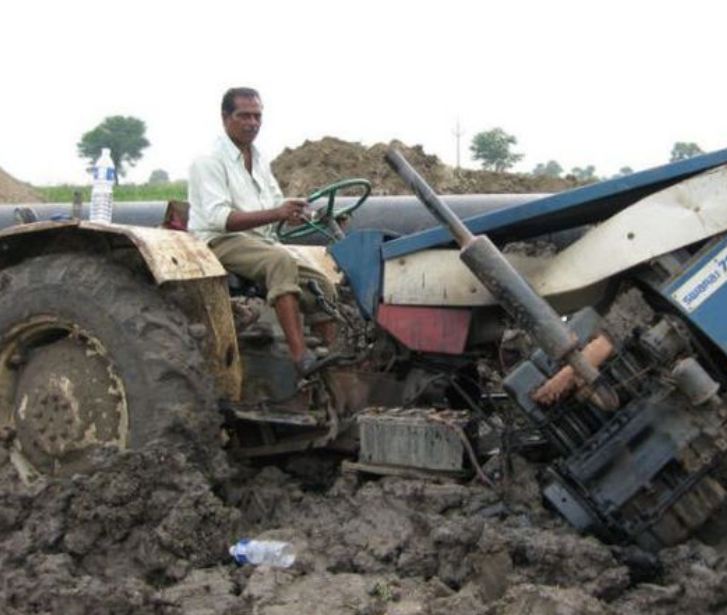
[{"x": 703, "y": 284}]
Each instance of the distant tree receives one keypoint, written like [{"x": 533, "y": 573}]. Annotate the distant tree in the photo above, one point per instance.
[
  {"x": 549, "y": 169},
  {"x": 683, "y": 150},
  {"x": 624, "y": 171},
  {"x": 492, "y": 149},
  {"x": 124, "y": 136},
  {"x": 159, "y": 176},
  {"x": 585, "y": 174}
]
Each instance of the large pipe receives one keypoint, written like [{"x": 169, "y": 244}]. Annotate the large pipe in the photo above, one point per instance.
[
  {"x": 510, "y": 289},
  {"x": 146, "y": 213},
  {"x": 398, "y": 215}
]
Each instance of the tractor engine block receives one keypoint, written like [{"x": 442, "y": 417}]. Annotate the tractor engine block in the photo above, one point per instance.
[{"x": 643, "y": 473}]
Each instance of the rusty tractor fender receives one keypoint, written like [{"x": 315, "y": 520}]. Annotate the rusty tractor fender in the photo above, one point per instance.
[{"x": 184, "y": 268}]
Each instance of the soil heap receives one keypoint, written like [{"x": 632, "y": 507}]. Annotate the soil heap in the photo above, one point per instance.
[
  {"x": 317, "y": 163},
  {"x": 14, "y": 191}
]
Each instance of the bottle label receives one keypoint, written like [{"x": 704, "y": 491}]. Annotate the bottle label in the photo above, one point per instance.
[{"x": 106, "y": 173}]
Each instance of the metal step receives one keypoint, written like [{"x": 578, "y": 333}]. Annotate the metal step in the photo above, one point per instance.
[{"x": 276, "y": 416}]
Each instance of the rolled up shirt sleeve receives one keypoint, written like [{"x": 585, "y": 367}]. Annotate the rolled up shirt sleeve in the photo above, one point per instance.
[{"x": 209, "y": 195}]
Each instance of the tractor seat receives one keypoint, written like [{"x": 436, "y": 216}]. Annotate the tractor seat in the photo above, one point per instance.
[{"x": 176, "y": 218}]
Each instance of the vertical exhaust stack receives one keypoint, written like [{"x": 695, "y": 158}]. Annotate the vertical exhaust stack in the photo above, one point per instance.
[{"x": 510, "y": 289}]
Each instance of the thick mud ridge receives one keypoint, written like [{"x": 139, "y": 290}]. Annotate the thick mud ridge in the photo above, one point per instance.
[{"x": 148, "y": 533}]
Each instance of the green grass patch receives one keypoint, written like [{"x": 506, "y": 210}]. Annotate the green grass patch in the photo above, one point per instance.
[{"x": 173, "y": 191}]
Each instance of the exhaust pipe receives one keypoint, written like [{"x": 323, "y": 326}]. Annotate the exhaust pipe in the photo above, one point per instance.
[{"x": 510, "y": 289}]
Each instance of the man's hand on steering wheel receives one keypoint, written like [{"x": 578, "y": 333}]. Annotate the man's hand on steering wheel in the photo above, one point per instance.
[
  {"x": 326, "y": 219},
  {"x": 293, "y": 212}
]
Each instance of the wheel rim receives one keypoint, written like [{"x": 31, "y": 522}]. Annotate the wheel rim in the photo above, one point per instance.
[{"x": 61, "y": 395}]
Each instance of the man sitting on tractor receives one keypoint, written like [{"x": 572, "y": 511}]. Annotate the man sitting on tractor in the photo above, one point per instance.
[{"x": 234, "y": 201}]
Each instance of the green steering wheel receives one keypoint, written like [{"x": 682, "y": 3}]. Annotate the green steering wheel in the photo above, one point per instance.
[{"x": 325, "y": 219}]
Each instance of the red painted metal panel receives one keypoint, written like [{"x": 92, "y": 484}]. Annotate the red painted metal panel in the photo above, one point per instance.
[{"x": 427, "y": 329}]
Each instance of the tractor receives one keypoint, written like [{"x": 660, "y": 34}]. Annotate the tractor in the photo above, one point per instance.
[{"x": 604, "y": 355}]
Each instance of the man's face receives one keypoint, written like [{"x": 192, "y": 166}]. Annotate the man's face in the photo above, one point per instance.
[{"x": 243, "y": 124}]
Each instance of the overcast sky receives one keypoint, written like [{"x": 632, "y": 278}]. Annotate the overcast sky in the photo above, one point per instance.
[{"x": 603, "y": 83}]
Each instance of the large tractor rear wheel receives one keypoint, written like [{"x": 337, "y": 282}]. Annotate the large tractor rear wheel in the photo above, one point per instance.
[{"x": 91, "y": 355}]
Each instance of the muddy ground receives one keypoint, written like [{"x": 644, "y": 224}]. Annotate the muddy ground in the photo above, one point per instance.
[{"x": 148, "y": 533}]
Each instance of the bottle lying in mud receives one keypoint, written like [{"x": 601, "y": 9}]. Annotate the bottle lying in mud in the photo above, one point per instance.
[{"x": 263, "y": 553}]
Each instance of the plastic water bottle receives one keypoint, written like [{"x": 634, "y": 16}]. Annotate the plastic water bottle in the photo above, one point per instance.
[
  {"x": 102, "y": 198},
  {"x": 263, "y": 553}
]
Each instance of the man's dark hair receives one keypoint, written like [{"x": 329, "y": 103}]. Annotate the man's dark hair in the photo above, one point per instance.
[{"x": 228, "y": 100}]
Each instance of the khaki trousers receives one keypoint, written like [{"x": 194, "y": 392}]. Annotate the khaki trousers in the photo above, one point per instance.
[{"x": 274, "y": 266}]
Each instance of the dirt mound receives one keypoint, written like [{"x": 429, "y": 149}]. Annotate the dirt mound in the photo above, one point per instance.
[
  {"x": 316, "y": 163},
  {"x": 148, "y": 533},
  {"x": 14, "y": 191}
]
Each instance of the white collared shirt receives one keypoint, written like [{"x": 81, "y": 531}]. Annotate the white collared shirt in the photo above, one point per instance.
[{"x": 220, "y": 184}]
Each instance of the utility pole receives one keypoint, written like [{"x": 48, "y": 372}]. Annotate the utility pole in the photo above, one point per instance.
[{"x": 458, "y": 132}]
